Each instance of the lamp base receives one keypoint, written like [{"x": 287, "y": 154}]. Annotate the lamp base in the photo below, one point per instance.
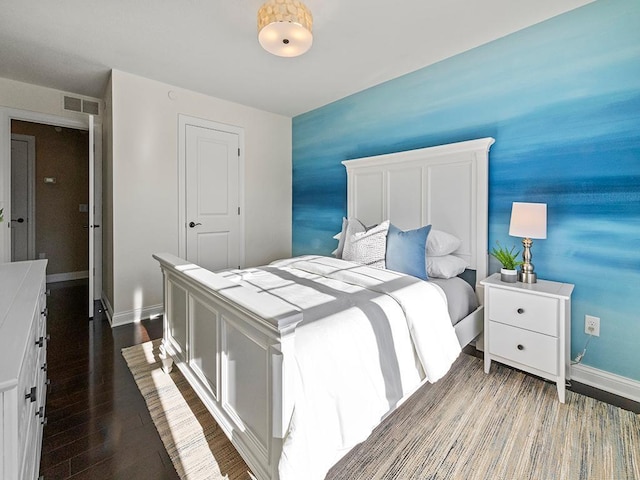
[
  {"x": 527, "y": 277},
  {"x": 525, "y": 274}
]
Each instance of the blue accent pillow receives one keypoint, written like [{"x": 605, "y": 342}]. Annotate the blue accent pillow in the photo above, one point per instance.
[{"x": 406, "y": 251}]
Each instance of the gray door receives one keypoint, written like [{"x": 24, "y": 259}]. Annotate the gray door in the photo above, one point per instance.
[{"x": 22, "y": 198}]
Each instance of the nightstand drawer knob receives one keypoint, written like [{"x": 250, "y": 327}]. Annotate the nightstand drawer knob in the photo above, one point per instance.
[
  {"x": 520, "y": 347},
  {"x": 520, "y": 311}
]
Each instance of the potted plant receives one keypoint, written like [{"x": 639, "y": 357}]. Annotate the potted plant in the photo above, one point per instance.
[{"x": 509, "y": 262}]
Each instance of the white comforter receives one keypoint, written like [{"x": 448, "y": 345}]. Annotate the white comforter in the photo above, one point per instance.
[{"x": 368, "y": 339}]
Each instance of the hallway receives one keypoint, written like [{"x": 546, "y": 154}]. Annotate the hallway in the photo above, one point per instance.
[{"x": 98, "y": 423}]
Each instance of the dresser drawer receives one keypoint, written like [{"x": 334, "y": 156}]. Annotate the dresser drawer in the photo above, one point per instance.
[
  {"x": 27, "y": 379},
  {"x": 523, "y": 346},
  {"x": 523, "y": 310}
]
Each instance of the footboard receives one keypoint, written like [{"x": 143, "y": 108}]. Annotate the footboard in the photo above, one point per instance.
[{"x": 233, "y": 345}]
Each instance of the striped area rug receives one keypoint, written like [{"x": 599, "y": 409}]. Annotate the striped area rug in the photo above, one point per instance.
[{"x": 469, "y": 425}]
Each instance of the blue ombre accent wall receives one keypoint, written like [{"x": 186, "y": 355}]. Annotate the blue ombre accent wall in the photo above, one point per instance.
[{"x": 562, "y": 100}]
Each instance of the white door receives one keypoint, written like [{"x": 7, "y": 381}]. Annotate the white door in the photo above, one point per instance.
[
  {"x": 97, "y": 212},
  {"x": 212, "y": 197},
  {"x": 91, "y": 214},
  {"x": 22, "y": 197}
]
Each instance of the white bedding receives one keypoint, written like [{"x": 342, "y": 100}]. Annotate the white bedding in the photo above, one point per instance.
[{"x": 368, "y": 339}]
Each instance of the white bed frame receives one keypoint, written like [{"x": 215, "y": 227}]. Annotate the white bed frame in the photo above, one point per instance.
[{"x": 235, "y": 346}]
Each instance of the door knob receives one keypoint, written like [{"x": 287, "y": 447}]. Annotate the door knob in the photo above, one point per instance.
[
  {"x": 19, "y": 220},
  {"x": 193, "y": 224}
]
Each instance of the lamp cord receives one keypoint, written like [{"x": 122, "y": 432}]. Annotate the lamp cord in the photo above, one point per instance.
[{"x": 580, "y": 356}]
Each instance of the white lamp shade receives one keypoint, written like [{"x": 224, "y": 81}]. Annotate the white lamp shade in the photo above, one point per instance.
[
  {"x": 285, "y": 39},
  {"x": 528, "y": 220},
  {"x": 285, "y": 27}
]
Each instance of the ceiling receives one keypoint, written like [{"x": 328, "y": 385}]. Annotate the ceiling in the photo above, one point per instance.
[{"x": 210, "y": 46}]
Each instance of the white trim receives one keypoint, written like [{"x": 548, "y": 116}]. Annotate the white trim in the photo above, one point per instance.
[
  {"x": 65, "y": 277},
  {"x": 609, "y": 382},
  {"x": 108, "y": 309},
  {"x": 6, "y": 115},
  {"x": 134, "y": 316},
  {"x": 183, "y": 121}
]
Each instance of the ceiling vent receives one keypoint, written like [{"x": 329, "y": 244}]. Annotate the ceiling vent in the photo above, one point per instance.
[{"x": 80, "y": 105}]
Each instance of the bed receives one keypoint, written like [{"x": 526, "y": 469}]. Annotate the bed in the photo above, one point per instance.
[{"x": 259, "y": 345}]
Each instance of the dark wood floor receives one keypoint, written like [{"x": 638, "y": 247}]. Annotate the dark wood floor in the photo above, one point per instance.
[{"x": 98, "y": 423}]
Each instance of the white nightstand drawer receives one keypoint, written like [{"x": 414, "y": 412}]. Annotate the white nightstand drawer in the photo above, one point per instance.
[
  {"x": 529, "y": 348},
  {"x": 524, "y": 310}
]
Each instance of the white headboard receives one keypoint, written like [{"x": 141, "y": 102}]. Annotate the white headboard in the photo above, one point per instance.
[{"x": 445, "y": 186}]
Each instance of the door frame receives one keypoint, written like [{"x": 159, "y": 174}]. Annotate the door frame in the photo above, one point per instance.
[
  {"x": 31, "y": 191},
  {"x": 183, "y": 121},
  {"x": 8, "y": 114}
]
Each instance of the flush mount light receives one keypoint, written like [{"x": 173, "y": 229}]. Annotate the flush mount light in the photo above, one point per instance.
[{"x": 284, "y": 27}]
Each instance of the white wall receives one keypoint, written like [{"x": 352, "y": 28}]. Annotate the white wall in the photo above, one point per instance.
[
  {"x": 107, "y": 199},
  {"x": 31, "y": 103},
  {"x": 145, "y": 184},
  {"x": 34, "y": 98}
]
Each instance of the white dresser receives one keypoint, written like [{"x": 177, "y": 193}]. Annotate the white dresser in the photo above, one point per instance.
[
  {"x": 528, "y": 326},
  {"x": 23, "y": 369}
]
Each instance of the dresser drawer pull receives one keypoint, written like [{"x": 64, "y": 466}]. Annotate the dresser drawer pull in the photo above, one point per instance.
[
  {"x": 40, "y": 412},
  {"x": 40, "y": 342},
  {"x": 44, "y": 367},
  {"x": 31, "y": 395},
  {"x": 520, "y": 311},
  {"x": 520, "y": 347},
  {"x": 44, "y": 421},
  {"x": 45, "y": 312}
]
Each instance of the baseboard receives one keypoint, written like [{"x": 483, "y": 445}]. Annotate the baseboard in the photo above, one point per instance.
[
  {"x": 132, "y": 316},
  {"x": 65, "y": 277},
  {"x": 108, "y": 309},
  {"x": 609, "y": 382}
]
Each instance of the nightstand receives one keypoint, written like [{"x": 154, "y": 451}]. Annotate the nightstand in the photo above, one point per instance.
[{"x": 528, "y": 326}]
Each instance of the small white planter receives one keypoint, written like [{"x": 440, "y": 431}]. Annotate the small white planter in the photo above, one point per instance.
[{"x": 508, "y": 276}]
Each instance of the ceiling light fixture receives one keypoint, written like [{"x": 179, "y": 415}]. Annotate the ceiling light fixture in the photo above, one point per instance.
[{"x": 284, "y": 27}]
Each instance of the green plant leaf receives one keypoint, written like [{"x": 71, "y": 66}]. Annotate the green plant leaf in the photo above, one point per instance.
[{"x": 506, "y": 257}]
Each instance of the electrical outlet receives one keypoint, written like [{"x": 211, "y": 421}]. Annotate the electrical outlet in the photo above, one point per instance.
[{"x": 592, "y": 325}]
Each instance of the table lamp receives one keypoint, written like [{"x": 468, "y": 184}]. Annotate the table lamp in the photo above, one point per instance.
[{"x": 528, "y": 220}]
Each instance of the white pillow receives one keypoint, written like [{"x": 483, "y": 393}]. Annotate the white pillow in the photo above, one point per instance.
[
  {"x": 445, "y": 266},
  {"x": 441, "y": 243},
  {"x": 340, "y": 237},
  {"x": 367, "y": 247}
]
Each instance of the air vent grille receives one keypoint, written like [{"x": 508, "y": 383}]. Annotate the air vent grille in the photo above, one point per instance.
[
  {"x": 73, "y": 104},
  {"x": 90, "y": 107},
  {"x": 80, "y": 105}
]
